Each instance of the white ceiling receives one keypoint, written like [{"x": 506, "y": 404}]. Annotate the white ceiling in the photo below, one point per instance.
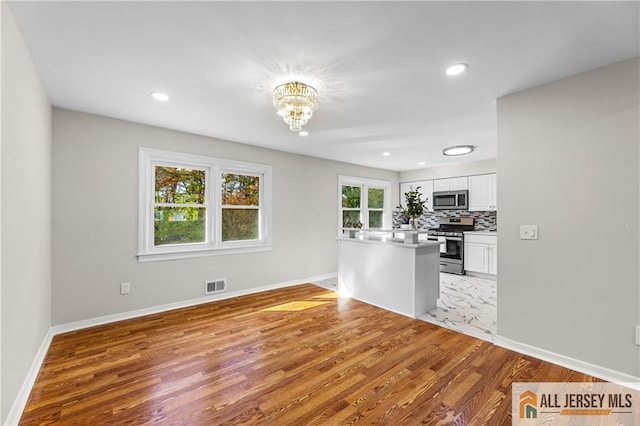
[{"x": 378, "y": 67}]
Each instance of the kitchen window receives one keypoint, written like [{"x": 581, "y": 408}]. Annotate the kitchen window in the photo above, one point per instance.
[
  {"x": 364, "y": 201},
  {"x": 194, "y": 206}
]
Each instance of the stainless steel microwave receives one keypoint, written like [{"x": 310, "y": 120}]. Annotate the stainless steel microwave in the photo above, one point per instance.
[{"x": 451, "y": 200}]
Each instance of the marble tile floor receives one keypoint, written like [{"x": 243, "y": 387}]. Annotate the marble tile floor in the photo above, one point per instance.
[
  {"x": 329, "y": 283},
  {"x": 467, "y": 304}
]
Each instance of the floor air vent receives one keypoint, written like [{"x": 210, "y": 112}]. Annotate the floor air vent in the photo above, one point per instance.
[{"x": 214, "y": 286}]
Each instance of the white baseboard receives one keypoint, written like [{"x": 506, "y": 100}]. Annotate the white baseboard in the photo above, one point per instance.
[
  {"x": 322, "y": 277},
  {"x": 481, "y": 275},
  {"x": 92, "y": 322},
  {"x": 25, "y": 390},
  {"x": 572, "y": 363}
]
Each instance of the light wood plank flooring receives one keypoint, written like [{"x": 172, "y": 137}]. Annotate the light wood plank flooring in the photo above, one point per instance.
[{"x": 295, "y": 356}]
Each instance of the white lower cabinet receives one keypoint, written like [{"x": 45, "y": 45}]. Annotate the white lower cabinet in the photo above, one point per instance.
[
  {"x": 493, "y": 258},
  {"x": 481, "y": 253}
]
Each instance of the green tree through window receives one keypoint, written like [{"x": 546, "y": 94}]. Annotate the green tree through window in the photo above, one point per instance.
[
  {"x": 351, "y": 195},
  {"x": 375, "y": 197},
  {"x": 193, "y": 205},
  {"x": 240, "y": 207},
  {"x": 179, "y": 206}
]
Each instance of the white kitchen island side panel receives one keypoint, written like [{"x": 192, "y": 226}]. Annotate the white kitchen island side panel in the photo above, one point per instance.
[{"x": 402, "y": 279}]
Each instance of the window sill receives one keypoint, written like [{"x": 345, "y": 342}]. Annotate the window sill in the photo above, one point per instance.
[{"x": 176, "y": 255}]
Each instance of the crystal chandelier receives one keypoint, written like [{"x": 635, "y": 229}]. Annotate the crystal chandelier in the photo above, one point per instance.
[{"x": 295, "y": 103}]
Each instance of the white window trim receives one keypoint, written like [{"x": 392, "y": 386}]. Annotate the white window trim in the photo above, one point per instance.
[
  {"x": 365, "y": 183},
  {"x": 148, "y": 252}
]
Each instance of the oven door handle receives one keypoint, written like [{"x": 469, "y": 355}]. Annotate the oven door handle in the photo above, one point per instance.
[{"x": 453, "y": 238}]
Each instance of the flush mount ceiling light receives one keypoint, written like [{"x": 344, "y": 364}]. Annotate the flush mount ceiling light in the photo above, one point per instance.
[
  {"x": 386, "y": 154},
  {"x": 458, "y": 150},
  {"x": 295, "y": 103},
  {"x": 158, "y": 96},
  {"x": 456, "y": 69}
]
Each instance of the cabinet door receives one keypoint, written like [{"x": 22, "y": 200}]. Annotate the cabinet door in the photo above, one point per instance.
[
  {"x": 494, "y": 192},
  {"x": 451, "y": 184},
  {"x": 404, "y": 188},
  {"x": 493, "y": 259},
  {"x": 459, "y": 183},
  {"x": 441, "y": 185},
  {"x": 426, "y": 188},
  {"x": 482, "y": 192},
  {"x": 475, "y": 257}
]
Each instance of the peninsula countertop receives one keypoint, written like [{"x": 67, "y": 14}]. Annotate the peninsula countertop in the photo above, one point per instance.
[{"x": 403, "y": 237}]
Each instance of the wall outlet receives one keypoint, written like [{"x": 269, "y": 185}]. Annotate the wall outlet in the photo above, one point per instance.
[
  {"x": 638, "y": 335},
  {"x": 528, "y": 232},
  {"x": 125, "y": 288}
]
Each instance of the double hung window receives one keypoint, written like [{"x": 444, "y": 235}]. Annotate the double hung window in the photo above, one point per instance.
[
  {"x": 364, "y": 202},
  {"x": 194, "y": 206}
]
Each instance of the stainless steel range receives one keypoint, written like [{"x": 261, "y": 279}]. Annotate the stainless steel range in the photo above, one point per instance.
[{"x": 451, "y": 233}]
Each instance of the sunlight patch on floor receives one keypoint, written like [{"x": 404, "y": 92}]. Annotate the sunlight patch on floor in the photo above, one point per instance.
[
  {"x": 298, "y": 305},
  {"x": 331, "y": 295}
]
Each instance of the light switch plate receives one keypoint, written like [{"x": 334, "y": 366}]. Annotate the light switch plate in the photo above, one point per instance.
[{"x": 528, "y": 232}]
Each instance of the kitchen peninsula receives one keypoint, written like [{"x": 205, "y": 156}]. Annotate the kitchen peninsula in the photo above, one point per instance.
[{"x": 391, "y": 269}]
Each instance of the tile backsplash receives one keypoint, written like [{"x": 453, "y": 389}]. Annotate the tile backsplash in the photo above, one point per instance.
[{"x": 483, "y": 221}]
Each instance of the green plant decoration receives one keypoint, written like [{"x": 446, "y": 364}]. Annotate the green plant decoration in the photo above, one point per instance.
[{"x": 415, "y": 206}]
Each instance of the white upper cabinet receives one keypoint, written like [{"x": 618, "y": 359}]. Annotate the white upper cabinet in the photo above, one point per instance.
[
  {"x": 451, "y": 184},
  {"x": 426, "y": 189},
  {"x": 482, "y": 193},
  {"x": 404, "y": 188}
]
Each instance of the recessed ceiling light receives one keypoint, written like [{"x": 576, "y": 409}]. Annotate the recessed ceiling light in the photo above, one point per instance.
[
  {"x": 456, "y": 69},
  {"x": 422, "y": 163},
  {"x": 386, "y": 154},
  {"x": 303, "y": 133},
  {"x": 158, "y": 96},
  {"x": 458, "y": 150}
]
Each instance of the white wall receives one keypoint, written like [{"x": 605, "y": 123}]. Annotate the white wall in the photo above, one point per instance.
[
  {"x": 26, "y": 212},
  {"x": 95, "y": 211},
  {"x": 452, "y": 170},
  {"x": 568, "y": 161}
]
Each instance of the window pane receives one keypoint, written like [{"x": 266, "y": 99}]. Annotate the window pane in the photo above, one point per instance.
[
  {"x": 376, "y": 198},
  {"x": 350, "y": 218},
  {"x": 179, "y": 225},
  {"x": 240, "y": 190},
  {"x": 179, "y": 185},
  {"x": 351, "y": 196},
  {"x": 375, "y": 219},
  {"x": 240, "y": 224}
]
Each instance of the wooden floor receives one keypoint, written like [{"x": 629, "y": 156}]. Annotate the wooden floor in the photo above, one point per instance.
[{"x": 293, "y": 356}]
